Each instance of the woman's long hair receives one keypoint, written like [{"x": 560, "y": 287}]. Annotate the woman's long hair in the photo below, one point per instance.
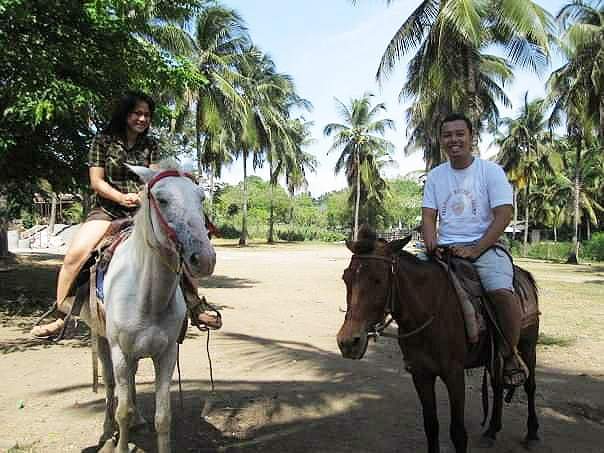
[{"x": 118, "y": 124}]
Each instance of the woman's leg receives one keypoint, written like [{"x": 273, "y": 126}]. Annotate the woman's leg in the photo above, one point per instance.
[{"x": 87, "y": 237}]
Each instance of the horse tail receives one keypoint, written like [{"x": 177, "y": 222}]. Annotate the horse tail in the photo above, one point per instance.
[{"x": 485, "y": 397}]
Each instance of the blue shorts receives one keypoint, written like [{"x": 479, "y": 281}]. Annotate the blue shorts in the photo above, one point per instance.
[{"x": 494, "y": 268}]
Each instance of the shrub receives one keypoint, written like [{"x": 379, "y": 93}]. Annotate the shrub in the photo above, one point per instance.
[
  {"x": 290, "y": 236},
  {"x": 228, "y": 231},
  {"x": 594, "y": 248}
]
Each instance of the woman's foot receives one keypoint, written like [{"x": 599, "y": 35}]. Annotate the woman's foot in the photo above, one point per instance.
[{"x": 49, "y": 330}]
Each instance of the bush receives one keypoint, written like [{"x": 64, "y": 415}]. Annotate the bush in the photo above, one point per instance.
[
  {"x": 290, "y": 236},
  {"x": 331, "y": 236},
  {"x": 548, "y": 250},
  {"x": 594, "y": 248},
  {"x": 74, "y": 214},
  {"x": 228, "y": 231}
]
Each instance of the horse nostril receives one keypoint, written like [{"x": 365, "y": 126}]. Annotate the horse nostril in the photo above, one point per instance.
[{"x": 356, "y": 341}]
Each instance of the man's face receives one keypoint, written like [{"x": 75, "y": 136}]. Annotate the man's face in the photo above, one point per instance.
[
  {"x": 457, "y": 141},
  {"x": 140, "y": 118}
]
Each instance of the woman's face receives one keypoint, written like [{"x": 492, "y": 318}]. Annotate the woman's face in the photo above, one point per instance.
[{"x": 139, "y": 119}]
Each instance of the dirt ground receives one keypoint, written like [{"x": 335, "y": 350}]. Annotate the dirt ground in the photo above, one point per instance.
[{"x": 281, "y": 385}]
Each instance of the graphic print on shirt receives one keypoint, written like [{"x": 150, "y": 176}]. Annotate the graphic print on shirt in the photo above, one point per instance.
[{"x": 460, "y": 203}]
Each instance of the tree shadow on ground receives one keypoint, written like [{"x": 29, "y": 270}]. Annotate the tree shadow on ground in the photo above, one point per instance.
[
  {"x": 224, "y": 281},
  {"x": 361, "y": 406}
]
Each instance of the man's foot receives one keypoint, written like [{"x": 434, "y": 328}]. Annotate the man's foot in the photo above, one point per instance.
[
  {"x": 49, "y": 330},
  {"x": 515, "y": 372}
]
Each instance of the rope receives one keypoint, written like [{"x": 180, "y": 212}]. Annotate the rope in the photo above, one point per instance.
[
  {"x": 182, "y": 404},
  {"x": 210, "y": 360}
]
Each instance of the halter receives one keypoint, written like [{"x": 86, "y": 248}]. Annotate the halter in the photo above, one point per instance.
[
  {"x": 390, "y": 309},
  {"x": 164, "y": 226}
]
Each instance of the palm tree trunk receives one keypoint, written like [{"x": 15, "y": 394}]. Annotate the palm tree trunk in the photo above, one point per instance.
[
  {"x": 588, "y": 227},
  {"x": 198, "y": 134},
  {"x": 358, "y": 199},
  {"x": 555, "y": 234},
  {"x": 573, "y": 257},
  {"x": 270, "y": 239},
  {"x": 515, "y": 203},
  {"x": 472, "y": 108},
  {"x": 211, "y": 191},
  {"x": 526, "y": 219},
  {"x": 602, "y": 121},
  {"x": 243, "y": 237}
]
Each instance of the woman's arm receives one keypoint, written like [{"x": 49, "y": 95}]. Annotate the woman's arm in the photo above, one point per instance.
[{"x": 104, "y": 189}]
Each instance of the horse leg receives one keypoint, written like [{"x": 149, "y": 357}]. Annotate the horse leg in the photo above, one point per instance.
[
  {"x": 138, "y": 420},
  {"x": 164, "y": 368},
  {"x": 124, "y": 375},
  {"x": 527, "y": 349},
  {"x": 490, "y": 435},
  {"x": 109, "y": 381},
  {"x": 456, "y": 387},
  {"x": 424, "y": 385}
]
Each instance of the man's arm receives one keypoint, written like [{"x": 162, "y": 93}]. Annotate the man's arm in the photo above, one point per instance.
[
  {"x": 429, "y": 216},
  {"x": 104, "y": 189},
  {"x": 502, "y": 216}
]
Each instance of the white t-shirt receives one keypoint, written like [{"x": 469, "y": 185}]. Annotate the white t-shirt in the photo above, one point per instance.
[{"x": 465, "y": 198}]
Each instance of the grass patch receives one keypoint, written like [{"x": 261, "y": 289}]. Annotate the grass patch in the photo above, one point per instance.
[{"x": 553, "y": 340}]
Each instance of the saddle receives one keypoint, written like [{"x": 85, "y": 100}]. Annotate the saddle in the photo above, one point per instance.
[
  {"x": 473, "y": 299},
  {"x": 87, "y": 287}
]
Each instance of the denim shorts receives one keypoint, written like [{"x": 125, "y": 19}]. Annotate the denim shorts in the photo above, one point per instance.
[{"x": 494, "y": 268}]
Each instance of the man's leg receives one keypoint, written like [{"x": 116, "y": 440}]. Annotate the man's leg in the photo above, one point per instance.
[{"x": 496, "y": 274}]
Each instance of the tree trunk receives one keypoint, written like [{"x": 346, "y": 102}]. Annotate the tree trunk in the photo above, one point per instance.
[
  {"x": 53, "y": 214},
  {"x": 243, "y": 237},
  {"x": 555, "y": 234},
  {"x": 198, "y": 134},
  {"x": 573, "y": 257},
  {"x": 211, "y": 191},
  {"x": 526, "y": 219},
  {"x": 472, "y": 108},
  {"x": 358, "y": 199},
  {"x": 588, "y": 228},
  {"x": 515, "y": 203},
  {"x": 270, "y": 239},
  {"x": 602, "y": 121},
  {"x": 3, "y": 228}
]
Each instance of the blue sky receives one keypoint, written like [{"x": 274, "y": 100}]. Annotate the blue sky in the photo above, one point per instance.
[{"x": 332, "y": 49}]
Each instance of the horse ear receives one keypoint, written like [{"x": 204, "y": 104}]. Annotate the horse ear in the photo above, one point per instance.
[
  {"x": 145, "y": 174},
  {"x": 397, "y": 245}
]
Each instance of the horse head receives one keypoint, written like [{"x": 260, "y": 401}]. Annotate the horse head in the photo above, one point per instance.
[
  {"x": 174, "y": 219},
  {"x": 369, "y": 278}
]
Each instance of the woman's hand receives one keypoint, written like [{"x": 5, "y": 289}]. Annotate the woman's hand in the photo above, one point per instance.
[{"x": 130, "y": 200}]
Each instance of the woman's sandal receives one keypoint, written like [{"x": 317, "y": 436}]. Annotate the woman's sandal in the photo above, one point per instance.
[{"x": 46, "y": 331}]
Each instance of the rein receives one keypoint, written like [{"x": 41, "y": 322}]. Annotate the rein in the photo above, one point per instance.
[
  {"x": 390, "y": 309},
  {"x": 164, "y": 226}
]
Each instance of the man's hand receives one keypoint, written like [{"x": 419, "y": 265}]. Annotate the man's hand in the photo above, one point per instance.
[
  {"x": 130, "y": 200},
  {"x": 432, "y": 246},
  {"x": 469, "y": 252}
]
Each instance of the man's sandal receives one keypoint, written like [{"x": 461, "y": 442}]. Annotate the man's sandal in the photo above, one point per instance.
[
  {"x": 48, "y": 331},
  {"x": 516, "y": 374}
]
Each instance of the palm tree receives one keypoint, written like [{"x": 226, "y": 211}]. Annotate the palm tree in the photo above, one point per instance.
[
  {"x": 220, "y": 38},
  {"x": 450, "y": 71},
  {"x": 524, "y": 151},
  {"x": 362, "y": 148},
  {"x": 576, "y": 89}
]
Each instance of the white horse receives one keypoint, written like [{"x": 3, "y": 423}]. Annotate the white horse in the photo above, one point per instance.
[{"x": 144, "y": 304}]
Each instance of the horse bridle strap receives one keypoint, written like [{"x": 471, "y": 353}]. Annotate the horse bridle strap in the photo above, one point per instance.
[{"x": 389, "y": 310}]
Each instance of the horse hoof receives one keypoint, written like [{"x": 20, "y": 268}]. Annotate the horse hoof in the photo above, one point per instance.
[
  {"x": 486, "y": 442},
  {"x": 530, "y": 444}
]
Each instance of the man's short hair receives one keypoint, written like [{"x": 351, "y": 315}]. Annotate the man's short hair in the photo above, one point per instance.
[{"x": 456, "y": 117}]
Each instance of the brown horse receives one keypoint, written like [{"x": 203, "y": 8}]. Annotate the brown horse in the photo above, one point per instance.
[{"x": 381, "y": 279}]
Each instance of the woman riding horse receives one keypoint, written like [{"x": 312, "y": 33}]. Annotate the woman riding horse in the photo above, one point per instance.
[{"x": 125, "y": 140}]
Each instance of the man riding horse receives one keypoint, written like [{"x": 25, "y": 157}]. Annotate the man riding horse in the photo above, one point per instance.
[{"x": 472, "y": 200}]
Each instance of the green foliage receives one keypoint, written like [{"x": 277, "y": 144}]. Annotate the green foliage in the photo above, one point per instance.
[
  {"x": 74, "y": 214},
  {"x": 594, "y": 248}
]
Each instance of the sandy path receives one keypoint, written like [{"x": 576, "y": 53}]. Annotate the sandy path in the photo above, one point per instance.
[{"x": 281, "y": 385}]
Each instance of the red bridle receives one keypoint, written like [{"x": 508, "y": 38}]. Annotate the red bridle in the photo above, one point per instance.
[{"x": 167, "y": 229}]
